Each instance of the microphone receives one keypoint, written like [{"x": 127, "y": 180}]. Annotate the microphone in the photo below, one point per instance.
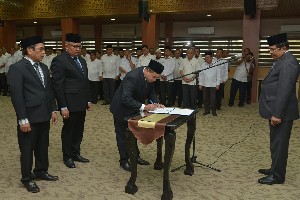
[{"x": 234, "y": 57}]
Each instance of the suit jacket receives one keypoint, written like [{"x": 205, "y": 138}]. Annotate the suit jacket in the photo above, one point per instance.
[
  {"x": 278, "y": 90},
  {"x": 69, "y": 83},
  {"x": 29, "y": 97},
  {"x": 131, "y": 94}
]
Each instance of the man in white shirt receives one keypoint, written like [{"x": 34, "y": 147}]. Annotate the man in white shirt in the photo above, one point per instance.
[
  {"x": 109, "y": 73},
  {"x": 94, "y": 65},
  {"x": 239, "y": 80},
  {"x": 189, "y": 89},
  {"x": 84, "y": 54},
  {"x": 146, "y": 57},
  {"x": 201, "y": 61},
  {"x": 19, "y": 54},
  {"x": 48, "y": 57},
  {"x": 120, "y": 57},
  {"x": 222, "y": 64},
  {"x": 165, "y": 84},
  {"x": 177, "y": 89},
  {"x": 127, "y": 64},
  {"x": 209, "y": 81}
]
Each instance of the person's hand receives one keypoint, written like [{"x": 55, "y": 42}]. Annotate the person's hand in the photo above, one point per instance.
[
  {"x": 200, "y": 87},
  {"x": 159, "y": 105},
  {"x": 150, "y": 107},
  {"x": 101, "y": 78},
  {"x": 54, "y": 118},
  {"x": 163, "y": 77},
  {"x": 89, "y": 106},
  {"x": 275, "y": 121},
  {"x": 25, "y": 127},
  {"x": 217, "y": 87},
  {"x": 65, "y": 113}
]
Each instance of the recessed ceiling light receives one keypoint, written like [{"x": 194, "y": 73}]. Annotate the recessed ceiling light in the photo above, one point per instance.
[
  {"x": 35, "y": 22},
  {"x": 208, "y": 15},
  {"x": 112, "y": 19}
]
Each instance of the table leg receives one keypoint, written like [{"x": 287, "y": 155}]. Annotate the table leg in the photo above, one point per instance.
[
  {"x": 191, "y": 127},
  {"x": 170, "y": 138},
  {"x": 158, "y": 165},
  {"x": 131, "y": 148}
]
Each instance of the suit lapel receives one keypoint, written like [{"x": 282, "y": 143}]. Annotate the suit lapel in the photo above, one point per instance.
[
  {"x": 45, "y": 74},
  {"x": 33, "y": 72},
  {"x": 70, "y": 59}
]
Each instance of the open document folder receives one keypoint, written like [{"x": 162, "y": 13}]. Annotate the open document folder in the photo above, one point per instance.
[{"x": 172, "y": 111}]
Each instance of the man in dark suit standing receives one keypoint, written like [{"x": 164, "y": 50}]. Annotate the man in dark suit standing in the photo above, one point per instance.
[
  {"x": 71, "y": 86},
  {"x": 278, "y": 103},
  {"x": 129, "y": 99},
  {"x": 34, "y": 103}
]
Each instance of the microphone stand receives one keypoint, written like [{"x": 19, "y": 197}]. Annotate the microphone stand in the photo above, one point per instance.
[{"x": 194, "y": 157}]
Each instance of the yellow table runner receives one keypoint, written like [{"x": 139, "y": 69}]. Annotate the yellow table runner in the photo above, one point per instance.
[{"x": 150, "y": 121}]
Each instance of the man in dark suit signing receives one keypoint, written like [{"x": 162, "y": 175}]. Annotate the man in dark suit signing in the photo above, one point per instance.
[
  {"x": 34, "y": 103},
  {"x": 129, "y": 99},
  {"x": 71, "y": 86},
  {"x": 278, "y": 103}
]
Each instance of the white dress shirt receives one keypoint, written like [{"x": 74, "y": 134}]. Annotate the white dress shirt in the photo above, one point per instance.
[
  {"x": 144, "y": 60},
  {"x": 210, "y": 77},
  {"x": 169, "y": 66},
  {"x": 223, "y": 65},
  {"x": 2, "y": 62},
  {"x": 176, "y": 72},
  {"x": 48, "y": 59},
  {"x": 94, "y": 68},
  {"x": 189, "y": 66},
  {"x": 110, "y": 68},
  {"x": 126, "y": 65},
  {"x": 241, "y": 73}
]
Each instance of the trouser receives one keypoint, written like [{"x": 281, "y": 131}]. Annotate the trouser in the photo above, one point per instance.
[
  {"x": 94, "y": 89},
  {"x": 101, "y": 89},
  {"x": 279, "y": 145},
  {"x": 3, "y": 84},
  {"x": 235, "y": 86},
  {"x": 36, "y": 141},
  {"x": 209, "y": 96},
  {"x": 72, "y": 134},
  {"x": 199, "y": 97},
  {"x": 121, "y": 126},
  {"x": 189, "y": 93},
  {"x": 177, "y": 92},
  {"x": 108, "y": 89},
  {"x": 220, "y": 95},
  {"x": 166, "y": 92}
]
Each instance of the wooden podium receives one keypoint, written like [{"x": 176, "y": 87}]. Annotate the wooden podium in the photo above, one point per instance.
[{"x": 170, "y": 138}]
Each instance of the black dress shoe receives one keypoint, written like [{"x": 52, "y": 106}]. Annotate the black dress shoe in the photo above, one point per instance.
[
  {"x": 46, "y": 177},
  {"x": 206, "y": 113},
  {"x": 270, "y": 180},
  {"x": 230, "y": 105},
  {"x": 214, "y": 114},
  {"x": 264, "y": 171},
  {"x": 141, "y": 161},
  {"x": 79, "y": 158},
  {"x": 126, "y": 166},
  {"x": 70, "y": 163},
  {"x": 31, "y": 186}
]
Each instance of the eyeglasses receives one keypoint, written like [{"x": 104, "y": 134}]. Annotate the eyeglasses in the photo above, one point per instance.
[
  {"x": 39, "y": 49},
  {"x": 273, "y": 50},
  {"x": 76, "y": 46}
]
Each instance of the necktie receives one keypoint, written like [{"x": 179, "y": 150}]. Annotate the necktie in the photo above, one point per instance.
[
  {"x": 36, "y": 67},
  {"x": 78, "y": 65}
]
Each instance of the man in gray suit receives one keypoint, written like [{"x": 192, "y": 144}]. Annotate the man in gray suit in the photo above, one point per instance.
[
  {"x": 34, "y": 103},
  {"x": 71, "y": 86},
  {"x": 278, "y": 103}
]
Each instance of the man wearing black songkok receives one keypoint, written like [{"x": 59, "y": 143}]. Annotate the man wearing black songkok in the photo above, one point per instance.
[
  {"x": 129, "y": 99},
  {"x": 278, "y": 103}
]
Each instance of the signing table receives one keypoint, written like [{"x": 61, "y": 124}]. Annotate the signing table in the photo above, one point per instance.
[{"x": 146, "y": 131}]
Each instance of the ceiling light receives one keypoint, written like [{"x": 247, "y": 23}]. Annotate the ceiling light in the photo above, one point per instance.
[
  {"x": 112, "y": 19},
  {"x": 35, "y": 22},
  {"x": 208, "y": 15}
]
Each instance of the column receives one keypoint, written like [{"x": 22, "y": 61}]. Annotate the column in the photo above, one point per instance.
[
  {"x": 150, "y": 31},
  {"x": 98, "y": 35},
  {"x": 8, "y": 34},
  {"x": 251, "y": 39},
  {"x": 69, "y": 25},
  {"x": 168, "y": 33}
]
